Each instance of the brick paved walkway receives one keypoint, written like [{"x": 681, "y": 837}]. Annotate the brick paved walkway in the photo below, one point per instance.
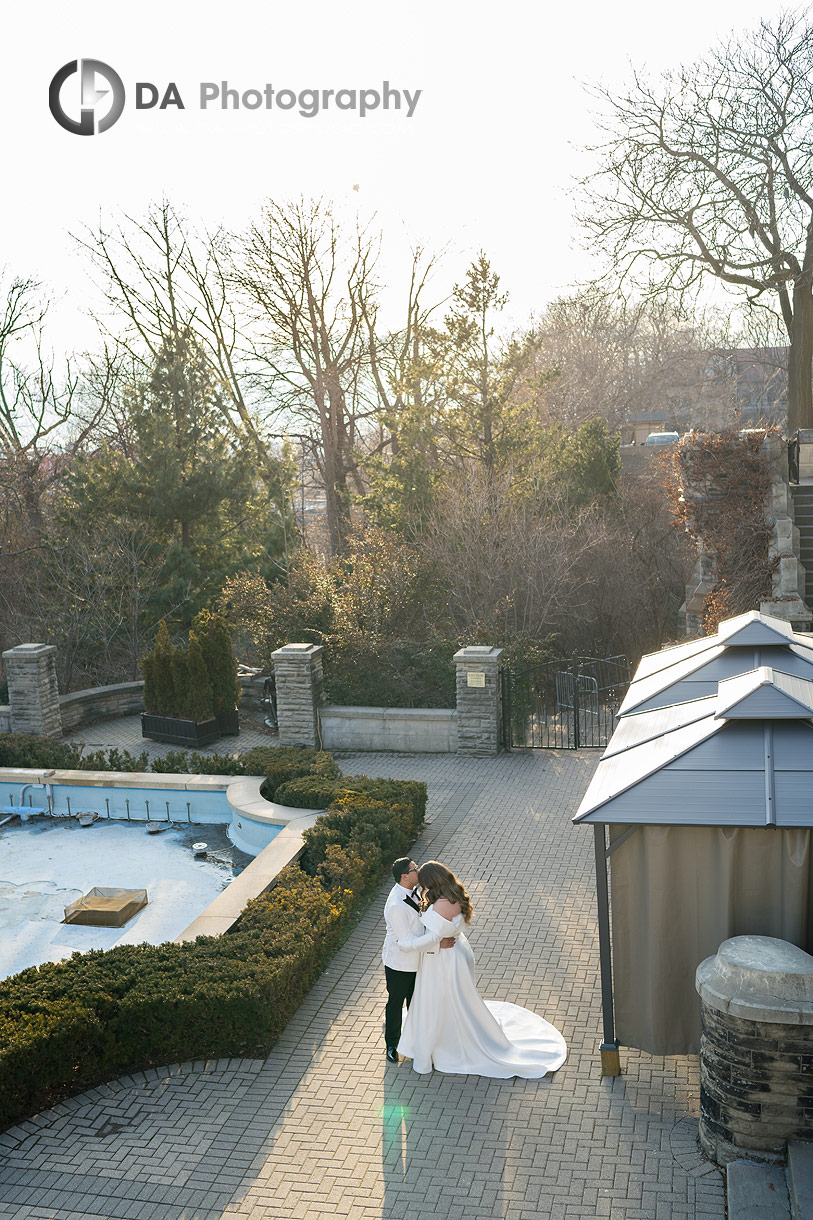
[{"x": 326, "y": 1128}]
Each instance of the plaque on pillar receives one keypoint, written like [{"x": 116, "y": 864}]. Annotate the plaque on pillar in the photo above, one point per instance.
[{"x": 479, "y": 707}]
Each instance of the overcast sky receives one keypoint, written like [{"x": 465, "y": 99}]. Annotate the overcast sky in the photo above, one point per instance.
[{"x": 487, "y": 159}]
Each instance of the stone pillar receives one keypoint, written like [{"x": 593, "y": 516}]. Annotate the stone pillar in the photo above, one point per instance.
[
  {"x": 787, "y": 599},
  {"x": 33, "y": 693},
  {"x": 479, "y": 700},
  {"x": 298, "y": 673},
  {"x": 756, "y": 999}
]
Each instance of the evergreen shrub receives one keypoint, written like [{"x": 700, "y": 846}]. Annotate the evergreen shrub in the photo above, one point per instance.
[
  {"x": 211, "y": 632},
  {"x": 199, "y": 704},
  {"x": 279, "y": 763},
  {"x": 283, "y": 763},
  {"x": 162, "y": 686},
  {"x": 308, "y": 792}
]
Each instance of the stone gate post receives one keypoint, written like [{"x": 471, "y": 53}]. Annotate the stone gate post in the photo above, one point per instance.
[
  {"x": 298, "y": 674},
  {"x": 33, "y": 693},
  {"x": 479, "y": 701}
]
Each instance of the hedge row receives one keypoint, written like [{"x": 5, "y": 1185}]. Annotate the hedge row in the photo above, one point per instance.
[
  {"x": 66, "y": 1026},
  {"x": 280, "y": 764}
]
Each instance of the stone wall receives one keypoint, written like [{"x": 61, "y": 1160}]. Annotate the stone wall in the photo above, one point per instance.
[
  {"x": 788, "y": 578},
  {"x": 411, "y": 730},
  {"x": 101, "y": 703},
  {"x": 121, "y": 699},
  {"x": 756, "y": 1052},
  {"x": 474, "y": 728}
]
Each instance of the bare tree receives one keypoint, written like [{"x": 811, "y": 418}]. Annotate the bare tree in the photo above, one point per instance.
[
  {"x": 405, "y": 373},
  {"x": 41, "y": 422},
  {"x": 164, "y": 279},
  {"x": 85, "y": 588},
  {"x": 598, "y": 354},
  {"x": 516, "y": 567},
  {"x": 707, "y": 176},
  {"x": 311, "y": 293}
]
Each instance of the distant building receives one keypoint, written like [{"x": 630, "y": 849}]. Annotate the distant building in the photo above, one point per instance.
[
  {"x": 740, "y": 387},
  {"x": 642, "y": 425},
  {"x": 758, "y": 377}
]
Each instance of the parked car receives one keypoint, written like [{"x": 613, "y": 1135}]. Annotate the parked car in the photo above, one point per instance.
[{"x": 662, "y": 438}]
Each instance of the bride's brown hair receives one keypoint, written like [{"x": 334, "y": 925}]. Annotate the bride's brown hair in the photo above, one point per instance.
[{"x": 438, "y": 881}]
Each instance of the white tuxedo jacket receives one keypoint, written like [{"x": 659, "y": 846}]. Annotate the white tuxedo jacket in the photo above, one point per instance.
[{"x": 404, "y": 926}]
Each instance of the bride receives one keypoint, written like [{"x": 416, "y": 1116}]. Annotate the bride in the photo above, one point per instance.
[{"x": 449, "y": 1025}]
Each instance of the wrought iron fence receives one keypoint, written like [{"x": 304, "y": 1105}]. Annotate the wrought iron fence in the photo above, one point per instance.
[{"x": 569, "y": 704}]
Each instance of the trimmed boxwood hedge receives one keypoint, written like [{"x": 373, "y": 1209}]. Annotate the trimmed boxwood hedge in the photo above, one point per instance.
[
  {"x": 279, "y": 764},
  {"x": 66, "y": 1026}
]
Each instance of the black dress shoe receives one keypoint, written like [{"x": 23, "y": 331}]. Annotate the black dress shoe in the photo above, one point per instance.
[{"x": 392, "y": 1054}]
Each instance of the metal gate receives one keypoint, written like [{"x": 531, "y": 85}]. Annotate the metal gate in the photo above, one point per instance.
[{"x": 563, "y": 705}]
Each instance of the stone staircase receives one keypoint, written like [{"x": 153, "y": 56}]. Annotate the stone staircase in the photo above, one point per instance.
[
  {"x": 756, "y": 1191},
  {"x": 803, "y": 517}
]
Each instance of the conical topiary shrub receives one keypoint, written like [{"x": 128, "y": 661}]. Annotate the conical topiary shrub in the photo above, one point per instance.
[
  {"x": 159, "y": 687},
  {"x": 180, "y": 679},
  {"x": 212, "y": 633},
  {"x": 199, "y": 704}
]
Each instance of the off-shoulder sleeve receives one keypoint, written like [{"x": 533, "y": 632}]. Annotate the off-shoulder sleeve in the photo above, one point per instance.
[
  {"x": 438, "y": 925},
  {"x": 437, "y": 928}
]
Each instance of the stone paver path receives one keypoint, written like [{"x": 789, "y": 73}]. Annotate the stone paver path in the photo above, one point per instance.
[{"x": 325, "y": 1127}]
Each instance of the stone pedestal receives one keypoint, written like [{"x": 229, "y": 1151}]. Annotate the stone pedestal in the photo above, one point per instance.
[
  {"x": 33, "y": 692},
  {"x": 298, "y": 674},
  {"x": 756, "y": 1053},
  {"x": 479, "y": 702}
]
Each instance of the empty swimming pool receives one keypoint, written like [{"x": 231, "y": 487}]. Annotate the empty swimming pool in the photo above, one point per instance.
[{"x": 47, "y": 863}]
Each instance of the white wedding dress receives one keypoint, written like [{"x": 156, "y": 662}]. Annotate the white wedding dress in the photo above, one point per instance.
[{"x": 450, "y": 1027}]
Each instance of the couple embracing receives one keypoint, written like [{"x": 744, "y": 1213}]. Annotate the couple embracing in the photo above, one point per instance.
[{"x": 429, "y": 965}]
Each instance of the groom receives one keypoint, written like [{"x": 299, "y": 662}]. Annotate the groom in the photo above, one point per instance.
[{"x": 401, "y": 965}]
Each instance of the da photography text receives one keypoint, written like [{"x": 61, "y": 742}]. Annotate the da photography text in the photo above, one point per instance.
[
  {"x": 87, "y": 96},
  {"x": 307, "y": 102}
]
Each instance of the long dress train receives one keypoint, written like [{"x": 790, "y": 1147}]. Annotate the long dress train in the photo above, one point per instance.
[{"x": 450, "y": 1026}]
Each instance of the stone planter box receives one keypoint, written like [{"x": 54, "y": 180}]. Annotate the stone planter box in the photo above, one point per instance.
[
  {"x": 191, "y": 734},
  {"x": 228, "y": 723}
]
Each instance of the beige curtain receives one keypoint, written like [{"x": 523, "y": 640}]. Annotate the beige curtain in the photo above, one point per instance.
[{"x": 677, "y": 893}]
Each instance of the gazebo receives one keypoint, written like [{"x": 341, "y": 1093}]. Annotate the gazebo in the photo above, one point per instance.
[{"x": 709, "y": 804}]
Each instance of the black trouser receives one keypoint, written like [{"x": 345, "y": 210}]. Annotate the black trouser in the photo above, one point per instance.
[{"x": 400, "y": 986}]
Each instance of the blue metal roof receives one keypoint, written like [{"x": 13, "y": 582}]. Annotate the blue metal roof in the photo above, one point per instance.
[
  {"x": 740, "y": 757},
  {"x": 692, "y": 671},
  {"x": 764, "y": 694},
  {"x": 751, "y": 630}
]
